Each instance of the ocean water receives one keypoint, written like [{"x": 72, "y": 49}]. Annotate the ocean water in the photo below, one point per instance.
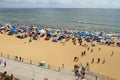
[{"x": 82, "y": 19}]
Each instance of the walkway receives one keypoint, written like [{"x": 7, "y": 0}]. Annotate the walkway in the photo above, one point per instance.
[{"x": 28, "y": 72}]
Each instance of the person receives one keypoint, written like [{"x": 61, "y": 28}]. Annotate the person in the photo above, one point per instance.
[
  {"x": 16, "y": 57},
  {"x": 74, "y": 41},
  {"x": 98, "y": 60},
  {"x": 80, "y": 41},
  {"x": 76, "y": 72},
  {"x": 4, "y": 63},
  {"x": 88, "y": 48},
  {"x": 83, "y": 69},
  {"x": 3, "y": 74},
  {"x": 11, "y": 77},
  {"x": 92, "y": 60},
  {"x": 99, "y": 49},
  {"x": 20, "y": 58},
  {"x": 91, "y": 50},
  {"x": 62, "y": 66},
  {"x": 87, "y": 66},
  {"x": 84, "y": 52},
  {"x": 103, "y": 61},
  {"x": 75, "y": 58},
  {"x": 80, "y": 65},
  {"x": 45, "y": 78},
  {"x": 30, "y": 40},
  {"x": 83, "y": 75},
  {"x": 112, "y": 53}
]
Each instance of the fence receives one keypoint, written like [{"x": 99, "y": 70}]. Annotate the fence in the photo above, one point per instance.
[{"x": 30, "y": 61}]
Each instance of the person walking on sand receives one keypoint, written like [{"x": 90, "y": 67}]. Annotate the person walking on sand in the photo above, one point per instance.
[
  {"x": 103, "y": 61},
  {"x": 112, "y": 53},
  {"x": 88, "y": 48},
  {"x": 91, "y": 50},
  {"x": 99, "y": 49},
  {"x": 74, "y": 41},
  {"x": 92, "y": 60},
  {"x": 98, "y": 60},
  {"x": 75, "y": 58},
  {"x": 84, "y": 52},
  {"x": 30, "y": 40}
]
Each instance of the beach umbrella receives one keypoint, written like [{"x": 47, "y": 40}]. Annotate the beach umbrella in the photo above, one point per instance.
[
  {"x": 87, "y": 37},
  {"x": 42, "y": 31}
]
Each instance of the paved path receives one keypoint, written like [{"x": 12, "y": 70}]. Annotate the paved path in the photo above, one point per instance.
[{"x": 28, "y": 72}]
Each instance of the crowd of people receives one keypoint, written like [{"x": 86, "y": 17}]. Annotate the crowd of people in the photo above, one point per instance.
[{"x": 34, "y": 33}]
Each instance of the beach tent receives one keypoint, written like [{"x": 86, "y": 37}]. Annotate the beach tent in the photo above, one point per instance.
[
  {"x": 88, "y": 37},
  {"x": 103, "y": 41},
  {"x": 42, "y": 31},
  {"x": 93, "y": 43},
  {"x": 56, "y": 38},
  {"x": 52, "y": 30},
  {"x": 81, "y": 34},
  {"x": 76, "y": 34},
  {"x": 97, "y": 37},
  {"x": 13, "y": 30},
  {"x": 21, "y": 35}
]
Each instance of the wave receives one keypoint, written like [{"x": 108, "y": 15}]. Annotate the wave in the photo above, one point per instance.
[
  {"x": 78, "y": 21},
  {"x": 31, "y": 19},
  {"x": 94, "y": 23}
]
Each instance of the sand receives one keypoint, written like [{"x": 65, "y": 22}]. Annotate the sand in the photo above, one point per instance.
[{"x": 55, "y": 53}]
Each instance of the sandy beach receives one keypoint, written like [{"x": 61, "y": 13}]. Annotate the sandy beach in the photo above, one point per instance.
[{"x": 55, "y": 53}]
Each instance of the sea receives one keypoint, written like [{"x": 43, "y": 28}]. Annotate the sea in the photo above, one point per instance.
[{"x": 67, "y": 18}]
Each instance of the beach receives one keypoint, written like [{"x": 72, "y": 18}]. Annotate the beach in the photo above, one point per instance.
[{"x": 55, "y": 53}]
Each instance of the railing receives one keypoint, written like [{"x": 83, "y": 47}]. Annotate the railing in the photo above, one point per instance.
[{"x": 30, "y": 61}]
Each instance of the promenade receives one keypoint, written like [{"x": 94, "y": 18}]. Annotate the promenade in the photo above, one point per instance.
[{"x": 25, "y": 71}]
